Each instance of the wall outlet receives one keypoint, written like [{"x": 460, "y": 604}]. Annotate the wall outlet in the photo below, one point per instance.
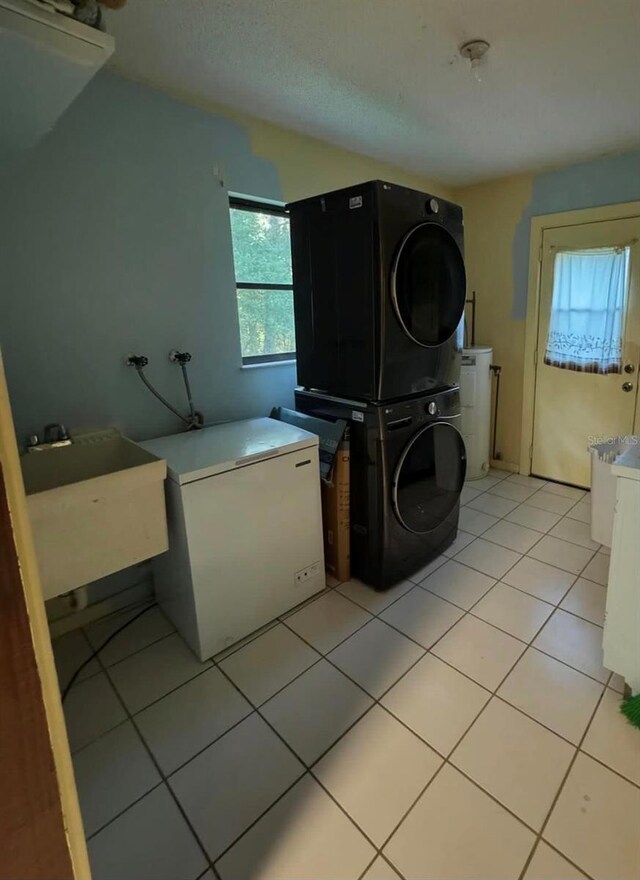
[{"x": 307, "y": 573}]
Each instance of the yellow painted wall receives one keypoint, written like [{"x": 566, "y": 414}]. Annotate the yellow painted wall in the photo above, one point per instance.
[
  {"x": 308, "y": 166},
  {"x": 491, "y": 213}
]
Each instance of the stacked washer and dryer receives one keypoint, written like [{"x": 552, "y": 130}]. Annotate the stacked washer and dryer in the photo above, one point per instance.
[{"x": 379, "y": 294}]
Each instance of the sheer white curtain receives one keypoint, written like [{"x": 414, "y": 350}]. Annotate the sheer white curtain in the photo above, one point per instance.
[{"x": 588, "y": 305}]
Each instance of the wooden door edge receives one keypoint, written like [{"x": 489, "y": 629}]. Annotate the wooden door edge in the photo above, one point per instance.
[{"x": 41, "y": 640}]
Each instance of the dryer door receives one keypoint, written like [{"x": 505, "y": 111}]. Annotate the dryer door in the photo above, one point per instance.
[
  {"x": 429, "y": 477},
  {"x": 428, "y": 284}
]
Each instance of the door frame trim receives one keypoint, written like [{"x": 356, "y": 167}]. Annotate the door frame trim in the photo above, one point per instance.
[{"x": 539, "y": 224}]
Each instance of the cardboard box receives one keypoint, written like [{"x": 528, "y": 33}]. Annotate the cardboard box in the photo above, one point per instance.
[{"x": 336, "y": 516}]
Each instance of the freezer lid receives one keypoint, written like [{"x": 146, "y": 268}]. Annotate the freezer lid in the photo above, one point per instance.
[{"x": 193, "y": 455}]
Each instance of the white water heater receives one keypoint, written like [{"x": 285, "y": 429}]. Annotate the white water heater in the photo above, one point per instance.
[{"x": 475, "y": 402}]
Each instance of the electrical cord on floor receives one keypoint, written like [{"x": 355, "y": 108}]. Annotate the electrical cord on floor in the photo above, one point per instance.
[{"x": 96, "y": 651}]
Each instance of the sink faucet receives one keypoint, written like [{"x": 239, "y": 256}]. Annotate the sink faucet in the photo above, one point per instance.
[{"x": 55, "y": 434}]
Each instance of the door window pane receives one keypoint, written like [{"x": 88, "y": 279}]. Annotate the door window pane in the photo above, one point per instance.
[{"x": 586, "y": 326}]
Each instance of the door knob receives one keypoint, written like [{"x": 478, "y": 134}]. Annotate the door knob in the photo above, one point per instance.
[
  {"x": 629, "y": 368},
  {"x": 627, "y": 386}
]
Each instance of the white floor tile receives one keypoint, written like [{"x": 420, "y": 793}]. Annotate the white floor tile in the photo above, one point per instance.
[
  {"x": 150, "y": 674},
  {"x": 150, "y": 840},
  {"x": 70, "y": 651},
  {"x": 562, "y": 554},
  {"x": 484, "y": 483},
  {"x": 305, "y": 836},
  {"x": 512, "y": 535},
  {"x": 480, "y": 651},
  {"x": 457, "y": 831},
  {"x": 553, "y": 693},
  {"x": 229, "y": 785},
  {"x": 498, "y": 473},
  {"x": 595, "y": 822},
  {"x": 474, "y": 521},
  {"x": 376, "y": 771},
  {"x": 469, "y": 493},
  {"x": 190, "y": 718},
  {"x": 547, "y": 864},
  {"x": 565, "y": 491},
  {"x": 421, "y": 573},
  {"x": 315, "y": 709},
  {"x": 515, "y": 612},
  {"x": 586, "y": 599},
  {"x": 437, "y": 702},
  {"x": 327, "y": 621},
  {"x": 241, "y": 643},
  {"x": 598, "y": 569},
  {"x": 524, "y": 480},
  {"x": 546, "y": 582},
  {"x": 150, "y": 627},
  {"x": 533, "y": 518},
  {"x": 111, "y": 774},
  {"x": 91, "y": 709},
  {"x": 515, "y": 759},
  {"x": 268, "y": 663},
  {"x": 374, "y": 601},
  {"x": 581, "y": 510},
  {"x": 488, "y": 558},
  {"x": 575, "y": 531},
  {"x": 376, "y": 656},
  {"x": 550, "y": 502},
  {"x": 461, "y": 540},
  {"x": 612, "y": 740},
  {"x": 458, "y": 583},
  {"x": 422, "y": 616},
  {"x": 493, "y": 505},
  {"x": 513, "y": 491},
  {"x": 381, "y": 870},
  {"x": 574, "y": 641}
]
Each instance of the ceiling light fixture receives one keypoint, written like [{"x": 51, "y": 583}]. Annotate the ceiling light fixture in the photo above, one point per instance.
[{"x": 474, "y": 51}]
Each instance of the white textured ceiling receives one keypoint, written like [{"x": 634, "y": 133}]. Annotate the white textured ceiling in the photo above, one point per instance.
[{"x": 384, "y": 78}]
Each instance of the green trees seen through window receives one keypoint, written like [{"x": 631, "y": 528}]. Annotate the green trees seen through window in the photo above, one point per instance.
[{"x": 262, "y": 257}]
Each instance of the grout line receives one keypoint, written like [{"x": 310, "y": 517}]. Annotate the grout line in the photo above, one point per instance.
[
  {"x": 560, "y": 787},
  {"x": 159, "y": 770}
]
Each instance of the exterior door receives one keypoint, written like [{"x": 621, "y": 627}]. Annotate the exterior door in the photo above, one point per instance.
[
  {"x": 429, "y": 477},
  {"x": 428, "y": 285},
  {"x": 586, "y": 387}
]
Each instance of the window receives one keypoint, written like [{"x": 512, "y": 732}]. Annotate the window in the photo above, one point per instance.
[
  {"x": 262, "y": 257},
  {"x": 588, "y": 306}
]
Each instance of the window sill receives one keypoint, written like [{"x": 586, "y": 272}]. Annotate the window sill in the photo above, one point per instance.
[{"x": 268, "y": 364}]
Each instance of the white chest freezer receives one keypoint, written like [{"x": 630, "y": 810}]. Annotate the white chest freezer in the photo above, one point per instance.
[{"x": 245, "y": 529}]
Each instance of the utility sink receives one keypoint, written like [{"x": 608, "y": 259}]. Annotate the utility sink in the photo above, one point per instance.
[{"x": 95, "y": 507}]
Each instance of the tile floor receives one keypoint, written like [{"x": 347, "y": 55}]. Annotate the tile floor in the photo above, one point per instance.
[{"x": 459, "y": 725}]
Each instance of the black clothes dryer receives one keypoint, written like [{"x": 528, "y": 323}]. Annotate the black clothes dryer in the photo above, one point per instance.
[
  {"x": 407, "y": 468},
  {"x": 379, "y": 291}
]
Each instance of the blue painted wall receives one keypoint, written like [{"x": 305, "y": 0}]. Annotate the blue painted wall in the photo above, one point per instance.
[
  {"x": 607, "y": 181},
  {"x": 115, "y": 238}
]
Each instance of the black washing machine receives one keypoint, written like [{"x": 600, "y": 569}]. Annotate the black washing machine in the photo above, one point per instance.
[
  {"x": 408, "y": 466},
  {"x": 379, "y": 291}
]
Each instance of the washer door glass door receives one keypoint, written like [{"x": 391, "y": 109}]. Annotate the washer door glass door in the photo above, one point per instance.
[
  {"x": 429, "y": 477},
  {"x": 429, "y": 284}
]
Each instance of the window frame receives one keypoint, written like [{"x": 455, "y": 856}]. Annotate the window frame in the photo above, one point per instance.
[{"x": 258, "y": 207}]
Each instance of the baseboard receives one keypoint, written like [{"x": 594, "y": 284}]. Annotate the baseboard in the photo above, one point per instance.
[
  {"x": 501, "y": 465},
  {"x": 61, "y": 623}
]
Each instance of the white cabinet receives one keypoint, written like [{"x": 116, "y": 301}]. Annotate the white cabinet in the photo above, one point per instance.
[{"x": 621, "y": 641}]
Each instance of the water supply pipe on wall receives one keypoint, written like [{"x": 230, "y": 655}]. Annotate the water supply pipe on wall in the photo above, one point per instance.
[
  {"x": 496, "y": 370},
  {"x": 194, "y": 420}
]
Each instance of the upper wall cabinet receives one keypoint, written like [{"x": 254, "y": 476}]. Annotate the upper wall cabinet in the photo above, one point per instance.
[{"x": 46, "y": 59}]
